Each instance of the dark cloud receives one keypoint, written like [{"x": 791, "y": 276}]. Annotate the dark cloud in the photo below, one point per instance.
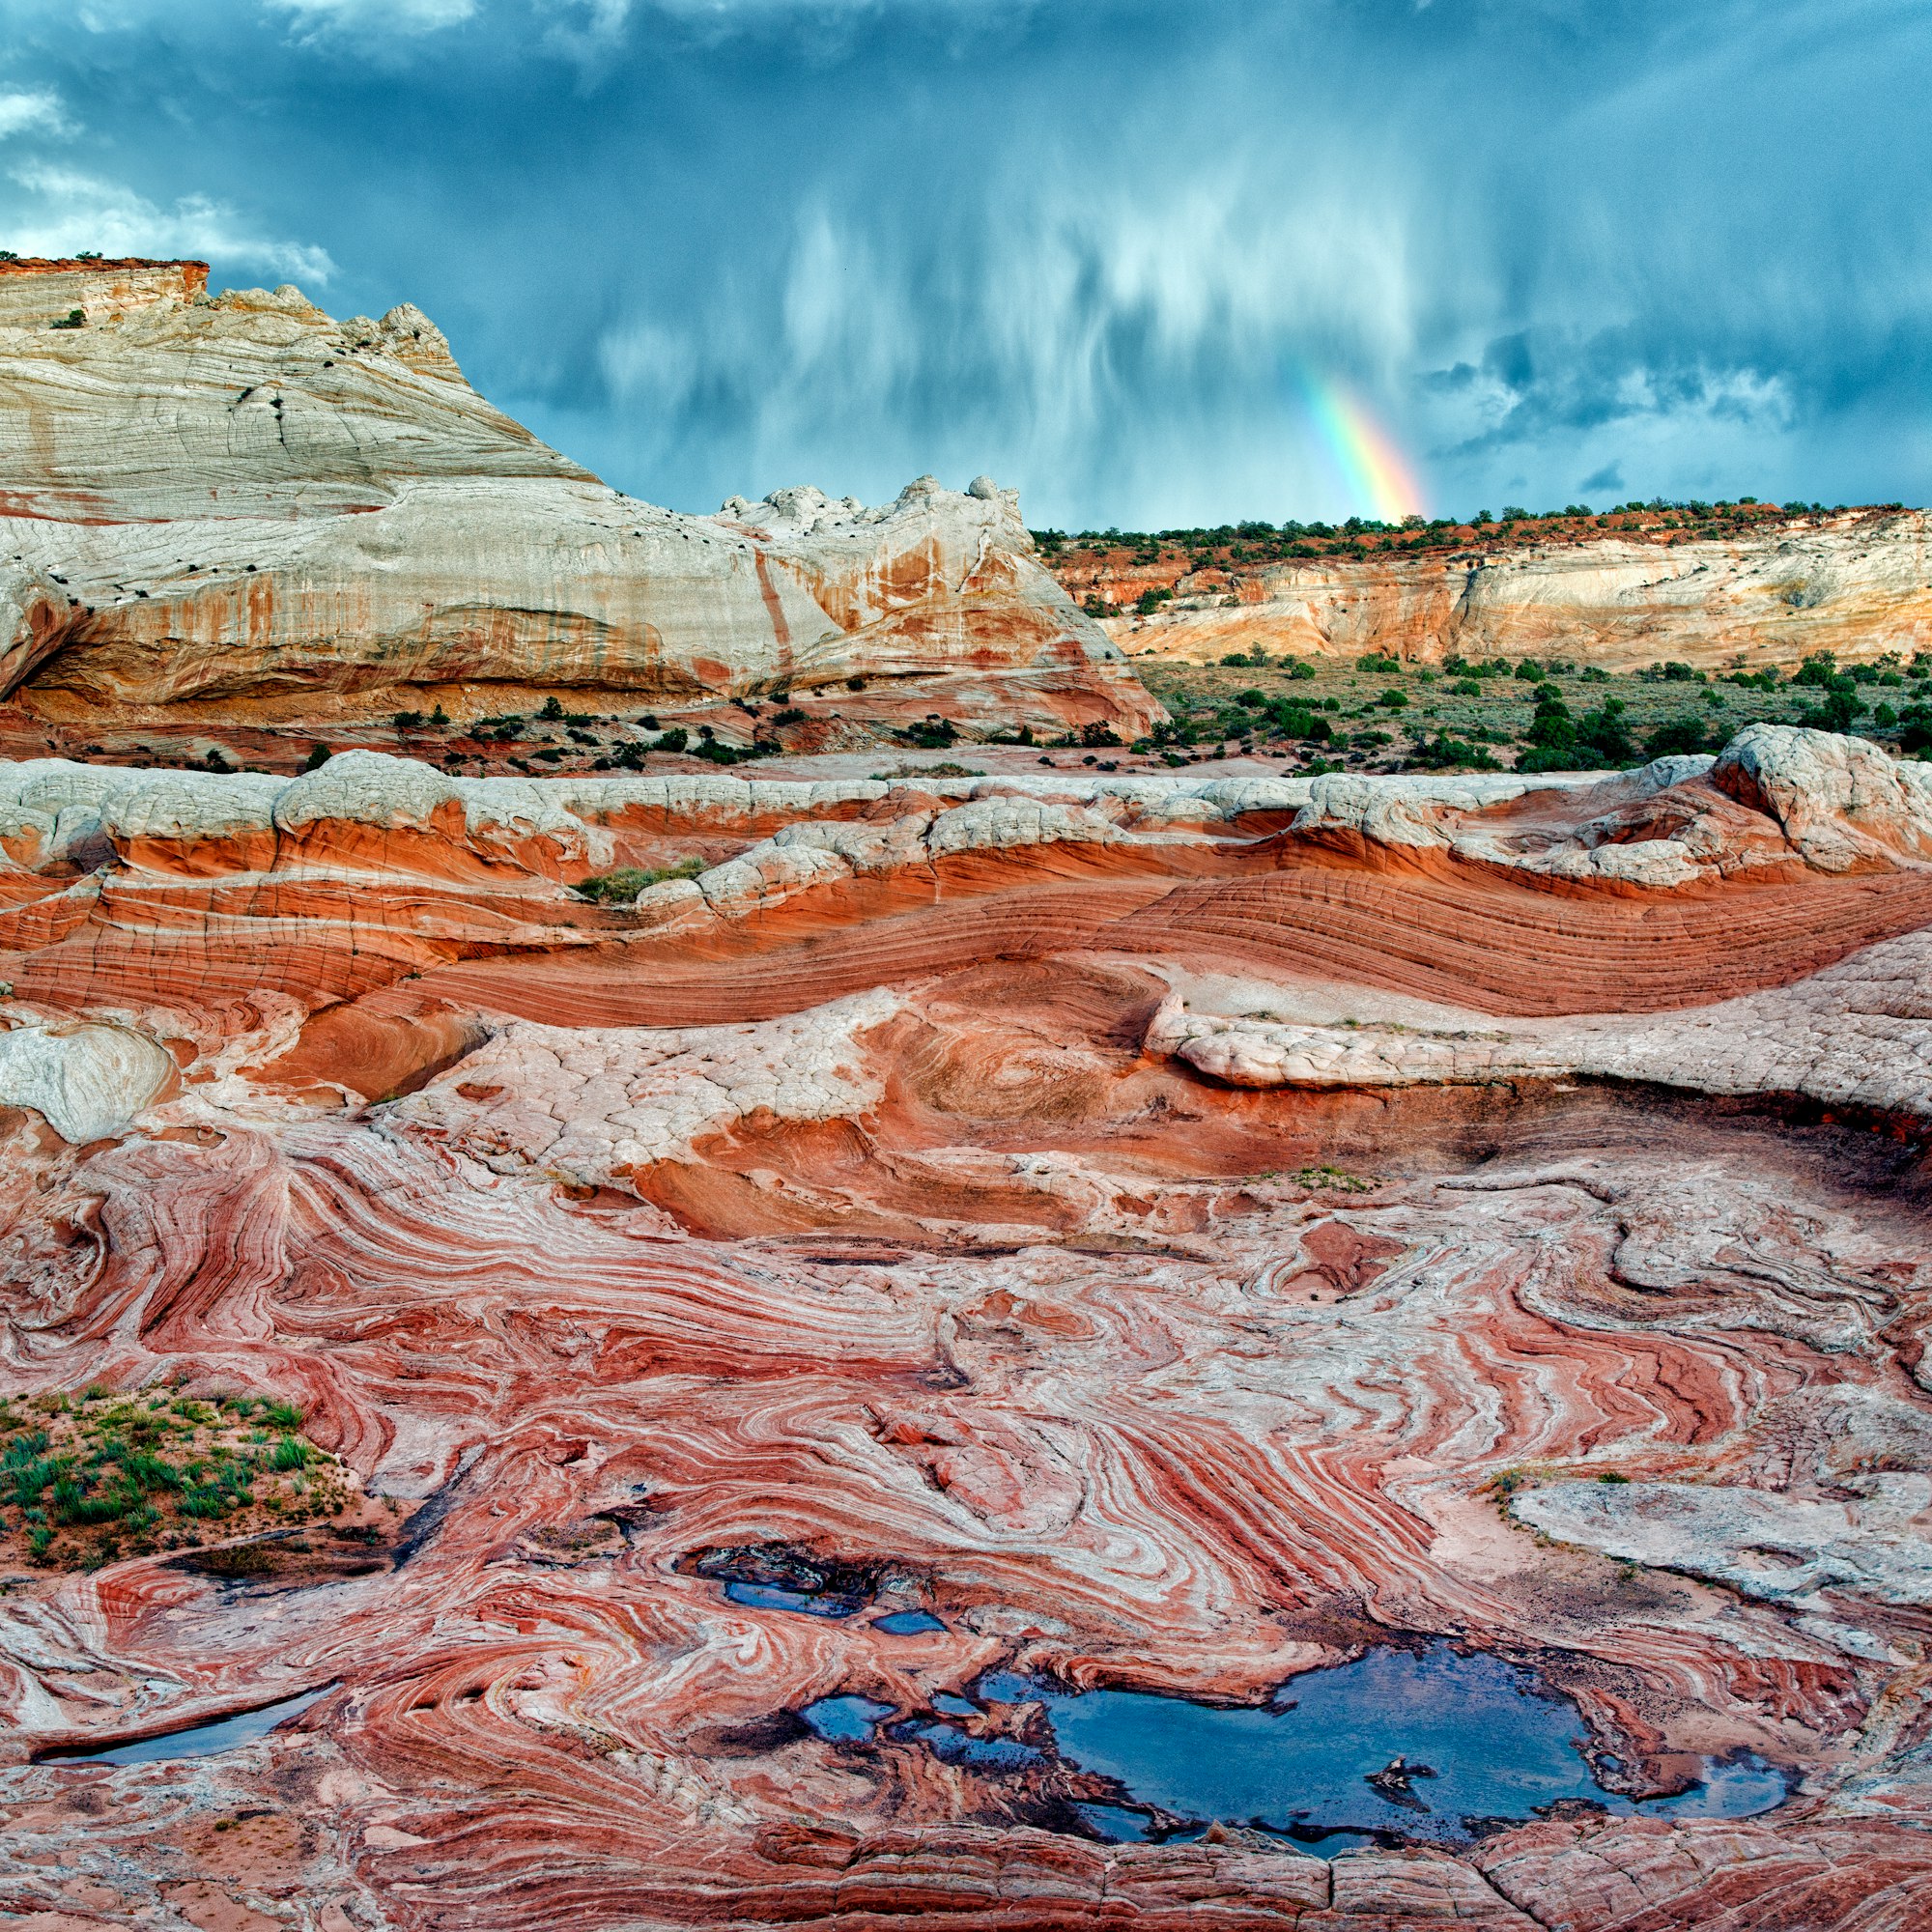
[{"x": 1098, "y": 248}]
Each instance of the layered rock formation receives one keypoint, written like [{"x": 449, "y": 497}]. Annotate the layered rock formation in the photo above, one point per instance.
[
  {"x": 234, "y": 506},
  {"x": 1858, "y": 585},
  {"x": 1176, "y": 1232}
]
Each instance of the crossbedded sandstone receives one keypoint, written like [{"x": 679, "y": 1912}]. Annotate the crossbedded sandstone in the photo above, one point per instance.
[
  {"x": 224, "y": 506},
  {"x": 1177, "y": 1231}
]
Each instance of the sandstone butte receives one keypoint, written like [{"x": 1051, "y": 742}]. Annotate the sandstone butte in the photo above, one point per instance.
[
  {"x": 1858, "y": 584},
  {"x": 235, "y": 507},
  {"x": 1178, "y": 1232}
]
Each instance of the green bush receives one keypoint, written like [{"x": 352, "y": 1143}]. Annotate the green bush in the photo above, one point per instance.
[
  {"x": 1676, "y": 736},
  {"x": 1447, "y": 753},
  {"x": 1836, "y": 709},
  {"x": 1915, "y": 729},
  {"x": 622, "y": 886},
  {"x": 1603, "y": 736}
]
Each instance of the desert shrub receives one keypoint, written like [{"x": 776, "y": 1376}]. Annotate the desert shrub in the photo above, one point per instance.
[
  {"x": 1915, "y": 729},
  {"x": 1448, "y": 753},
  {"x": 1835, "y": 710},
  {"x": 1602, "y": 735},
  {"x": 1676, "y": 736},
  {"x": 622, "y": 886}
]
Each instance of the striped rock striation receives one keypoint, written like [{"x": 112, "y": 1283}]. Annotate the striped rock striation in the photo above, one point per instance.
[
  {"x": 236, "y": 507},
  {"x": 1858, "y": 585},
  {"x": 1178, "y": 1232}
]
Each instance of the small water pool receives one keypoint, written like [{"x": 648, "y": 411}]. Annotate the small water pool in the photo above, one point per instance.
[
  {"x": 802, "y": 1603},
  {"x": 907, "y": 1623},
  {"x": 225, "y": 1734},
  {"x": 845, "y": 1719},
  {"x": 1498, "y": 1744}
]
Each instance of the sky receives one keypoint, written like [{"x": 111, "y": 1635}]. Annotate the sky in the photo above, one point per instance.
[{"x": 1153, "y": 265}]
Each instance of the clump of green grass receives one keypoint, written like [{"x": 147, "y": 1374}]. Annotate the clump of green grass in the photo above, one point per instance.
[
  {"x": 622, "y": 886},
  {"x": 133, "y": 1469},
  {"x": 1334, "y": 1180}
]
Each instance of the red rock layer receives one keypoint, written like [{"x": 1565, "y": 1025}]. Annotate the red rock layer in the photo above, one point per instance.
[{"x": 1133, "y": 1378}]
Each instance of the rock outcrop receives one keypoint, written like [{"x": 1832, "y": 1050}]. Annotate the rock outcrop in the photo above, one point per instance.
[
  {"x": 1860, "y": 586},
  {"x": 217, "y": 503},
  {"x": 1174, "y": 1232}
]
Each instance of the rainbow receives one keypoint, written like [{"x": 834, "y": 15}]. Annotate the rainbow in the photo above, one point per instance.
[{"x": 1379, "y": 479}]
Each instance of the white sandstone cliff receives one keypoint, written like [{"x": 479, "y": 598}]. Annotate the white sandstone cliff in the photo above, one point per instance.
[{"x": 219, "y": 501}]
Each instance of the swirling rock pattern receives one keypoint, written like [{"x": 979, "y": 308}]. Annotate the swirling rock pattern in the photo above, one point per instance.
[{"x": 1180, "y": 1233}]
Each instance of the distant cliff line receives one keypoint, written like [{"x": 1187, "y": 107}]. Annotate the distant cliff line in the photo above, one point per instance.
[{"x": 1738, "y": 586}]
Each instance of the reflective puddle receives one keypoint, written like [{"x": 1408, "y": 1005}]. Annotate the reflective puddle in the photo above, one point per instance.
[
  {"x": 1416, "y": 1744},
  {"x": 226, "y": 1734},
  {"x": 1419, "y": 1745},
  {"x": 907, "y": 1623}
]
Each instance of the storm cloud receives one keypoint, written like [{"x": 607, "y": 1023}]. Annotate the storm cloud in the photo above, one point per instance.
[{"x": 1100, "y": 250}]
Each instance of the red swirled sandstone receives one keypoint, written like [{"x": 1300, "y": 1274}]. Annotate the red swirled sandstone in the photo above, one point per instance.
[{"x": 857, "y": 1216}]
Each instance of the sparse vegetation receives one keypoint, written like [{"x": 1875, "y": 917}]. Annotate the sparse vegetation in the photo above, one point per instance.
[
  {"x": 622, "y": 886},
  {"x": 1482, "y": 716},
  {"x": 87, "y": 1478},
  {"x": 1334, "y": 1180},
  {"x": 934, "y": 733}
]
